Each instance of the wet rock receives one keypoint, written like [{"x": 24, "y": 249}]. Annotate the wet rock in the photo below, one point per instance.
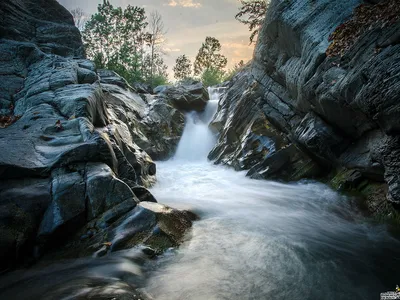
[
  {"x": 142, "y": 88},
  {"x": 47, "y": 24},
  {"x": 67, "y": 208},
  {"x": 104, "y": 191},
  {"x": 22, "y": 206},
  {"x": 79, "y": 144},
  {"x": 288, "y": 164},
  {"x": 154, "y": 125},
  {"x": 246, "y": 137},
  {"x": 160, "y": 89},
  {"x": 148, "y": 224},
  {"x": 154, "y": 225},
  {"x": 320, "y": 139},
  {"x": 143, "y": 194},
  {"x": 339, "y": 112},
  {"x": 191, "y": 97}
]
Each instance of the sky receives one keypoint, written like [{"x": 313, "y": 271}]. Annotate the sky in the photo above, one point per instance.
[{"x": 188, "y": 23}]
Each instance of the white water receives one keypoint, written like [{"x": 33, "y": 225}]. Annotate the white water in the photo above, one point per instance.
[
  {"x": 197, "y": 140},
  {"x": 255, "y": 240},
  {"x": 264, "y": 240}
]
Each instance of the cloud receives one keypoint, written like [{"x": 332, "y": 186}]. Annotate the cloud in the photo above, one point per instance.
[
  {"x": 167, "y": 49},
  {"x": 184, "y": 3}
]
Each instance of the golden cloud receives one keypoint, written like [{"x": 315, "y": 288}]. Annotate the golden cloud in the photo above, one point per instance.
[{"x": 184, "y": 3}]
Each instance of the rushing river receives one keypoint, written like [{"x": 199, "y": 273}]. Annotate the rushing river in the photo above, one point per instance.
[
  {"x": 265, "y": 240},
  {"x": 255, "y": 240}
]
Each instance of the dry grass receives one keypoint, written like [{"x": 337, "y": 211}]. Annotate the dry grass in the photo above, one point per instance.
[{"x": 365, "y": 18}]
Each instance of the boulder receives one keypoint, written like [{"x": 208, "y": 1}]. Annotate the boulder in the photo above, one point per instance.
[
  {"x": 149, "y": 224},
  {"x": 190, "y": 97}
]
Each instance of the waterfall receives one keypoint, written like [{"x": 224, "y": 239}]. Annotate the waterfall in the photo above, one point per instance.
[
  {"x": 197, "y": 139},
  {"x": 255, "y": 239}
]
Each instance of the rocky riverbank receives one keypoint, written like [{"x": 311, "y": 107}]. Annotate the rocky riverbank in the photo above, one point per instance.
[
  {"x": 77, "y": 145},
  {"x": 319, "y": 100}
]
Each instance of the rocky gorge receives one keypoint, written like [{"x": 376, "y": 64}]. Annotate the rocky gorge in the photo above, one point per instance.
[{"x": 78, "y": 179}]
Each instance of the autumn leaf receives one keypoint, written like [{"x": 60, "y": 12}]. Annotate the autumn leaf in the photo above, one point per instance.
[{"x": 59, "y": 126}]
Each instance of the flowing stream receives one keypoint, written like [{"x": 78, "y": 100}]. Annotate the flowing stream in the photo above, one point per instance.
[
  {"x": 262, "y": 239},
  {"x": 255, "y": 240}
]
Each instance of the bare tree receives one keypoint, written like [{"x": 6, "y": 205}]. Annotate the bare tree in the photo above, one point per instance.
[
  {"x": 80, "y": 18},
  {"x": 157, "y": 33},
  {"x": 252, "y": 13}
]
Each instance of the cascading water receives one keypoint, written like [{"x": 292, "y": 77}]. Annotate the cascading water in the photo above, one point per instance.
[
  {"x": 197, "y": 140},
  {"x": 255, "y": 240},
  {"x": 265, "y": 240}
]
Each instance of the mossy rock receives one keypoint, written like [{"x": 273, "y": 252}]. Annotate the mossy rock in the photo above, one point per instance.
[{"x": 370, "y": 195}]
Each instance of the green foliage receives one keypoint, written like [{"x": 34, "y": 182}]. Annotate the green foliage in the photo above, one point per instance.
[
  {"x": 209, "y": 58},
  {"x": 232, "y": 72},
  {"x": 183, "y": 68},
  {"x": 160, "y": 80},
  {"x": 252, "y": 13},
  {"x": 116, "y": 39},
  {"x": 153, "y": 69},
  {"x": 211, "y": 77}
]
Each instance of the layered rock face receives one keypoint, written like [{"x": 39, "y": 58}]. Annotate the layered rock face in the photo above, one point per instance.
[
  {"x": 297, "y": 113},
  {"x": 75, "y": 148}
]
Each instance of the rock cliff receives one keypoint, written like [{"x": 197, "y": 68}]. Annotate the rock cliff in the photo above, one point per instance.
[
  {"x": 75, "y": 141},
  {"x": 320, "y": 99}
]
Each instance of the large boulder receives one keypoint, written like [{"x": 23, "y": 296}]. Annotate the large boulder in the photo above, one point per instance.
[
  {"x": 185, "y": 97},
  {"x": 153, "y": 225},
  {"x": 338, "y": 104}
]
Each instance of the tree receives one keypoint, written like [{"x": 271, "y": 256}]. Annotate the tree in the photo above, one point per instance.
[
  {"x": 212, "y": 77},
  {"x": 157, "y": 38},
  {"x": 252, "y": 13},
  {"x": 183, "y": 68},
  {"x": 209, "y": 58},
  {"x": 114, "y": 39},
  {"x": 80, "y": 18},
  {"x": 154, "y": 69}
]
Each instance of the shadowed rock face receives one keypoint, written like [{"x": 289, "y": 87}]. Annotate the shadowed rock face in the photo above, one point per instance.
[
  {"x": 339, "y": 112},
  {"x": 45, "y": 23},
  {"x": 77, "y": 151}
]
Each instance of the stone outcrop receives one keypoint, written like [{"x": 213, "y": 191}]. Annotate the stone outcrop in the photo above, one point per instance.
[
  {"x": 185, "y": 97},
  {"x": 154, "y": 124},
  {"x": 295, "y": 112},
  {"x": 77, "y": 149}
]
